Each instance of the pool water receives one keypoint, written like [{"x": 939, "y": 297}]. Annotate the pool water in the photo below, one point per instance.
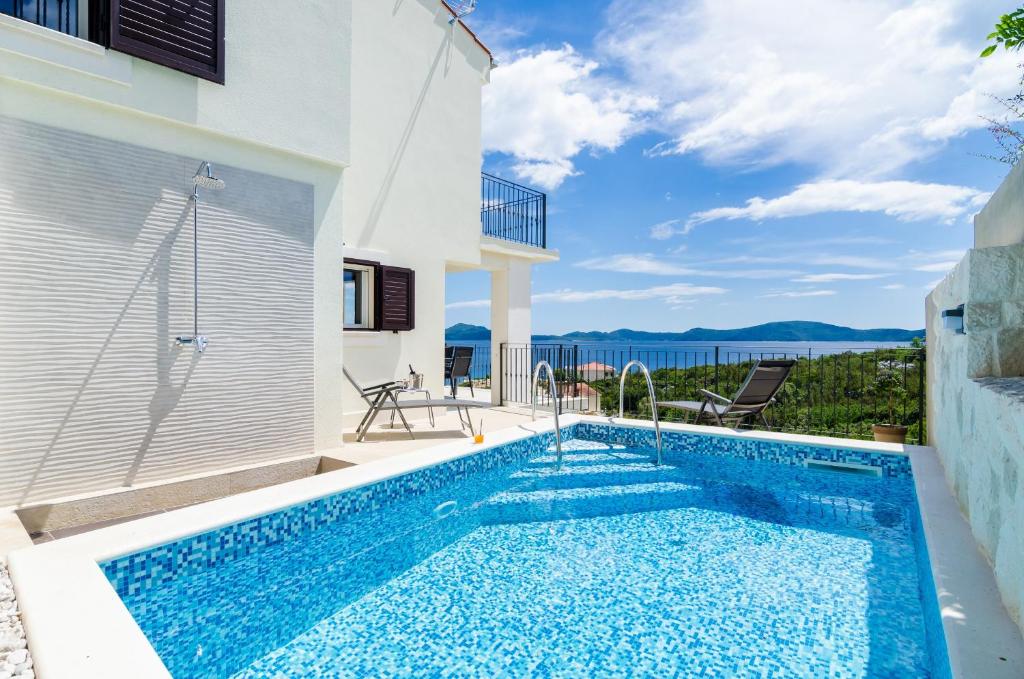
[{"x": 705, "y": 566}]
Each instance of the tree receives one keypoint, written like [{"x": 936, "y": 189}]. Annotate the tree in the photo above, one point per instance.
[
  {"x": 1009, "y": 32},
  {"x": 888, "y": 384}
]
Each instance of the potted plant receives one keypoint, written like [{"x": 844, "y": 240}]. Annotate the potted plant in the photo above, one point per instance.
[{"x": 889, "y": 384}]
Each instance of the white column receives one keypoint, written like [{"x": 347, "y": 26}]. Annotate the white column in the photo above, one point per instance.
[{"x": 510, "y": 323}]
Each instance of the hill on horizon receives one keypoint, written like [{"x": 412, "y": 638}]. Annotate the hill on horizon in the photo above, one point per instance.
[{"x": 779, "y": 331}]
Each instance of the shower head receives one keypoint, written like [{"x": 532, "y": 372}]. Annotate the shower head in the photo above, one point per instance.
[
  {"x": 208, "y": 182},
  {"x": 206, "y": 179}
]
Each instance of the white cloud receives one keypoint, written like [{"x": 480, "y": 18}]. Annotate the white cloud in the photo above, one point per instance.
[
  {"x": 929, "y": 255},
  {"x": 665, "y": 230},
  {"x": 544, "y": 108},
  {"x": 910, "y": 260},
  {"x": 469, "y": 304},
  {"x": 937, "y": 266},
  {"x": 676, "y": 293},
  {"x": 634, "y": 264},
  {"x": 825, "y": 259},
  {"x": 798, "y": 293},
  {"x": 904, "y": 200},
  {"x": 893, "y": 286},
  {"x": 815, "y": 242},
  {"x": 832, "y": 277},
  {"x": 852, "y": 88},
  {"x": 649, "y": 264}
]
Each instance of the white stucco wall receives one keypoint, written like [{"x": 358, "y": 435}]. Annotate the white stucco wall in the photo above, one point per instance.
[
  {"x": 286, "y": 76},
  {"x": 283, "y": 113},
  {"x": 412, "y": 193},
  {"x": 1001, "y": 221},
  {"x": 976, "y": 404}
]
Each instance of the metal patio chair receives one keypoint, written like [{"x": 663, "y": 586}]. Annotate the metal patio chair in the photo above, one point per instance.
[
  {"x": 457, "y": 364},
  {"x": 757, "y": 392},
  {"x": 383, "y": 396}
]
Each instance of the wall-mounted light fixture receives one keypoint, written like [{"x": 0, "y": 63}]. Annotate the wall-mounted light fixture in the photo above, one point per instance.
[{"x": 953, "y": 319}]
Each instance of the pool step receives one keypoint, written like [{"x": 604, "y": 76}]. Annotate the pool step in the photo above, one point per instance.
[{"x": 584, "y": 502}]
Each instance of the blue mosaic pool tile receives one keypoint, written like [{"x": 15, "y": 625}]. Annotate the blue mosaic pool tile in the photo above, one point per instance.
[
  {"x": 375, "y": 581},
  {"x": 674, "y": 442},
  {"x": 133, "y": 573}
]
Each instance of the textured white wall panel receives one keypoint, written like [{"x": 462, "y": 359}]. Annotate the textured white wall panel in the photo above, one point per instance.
[{"x": 96, "y": 282}]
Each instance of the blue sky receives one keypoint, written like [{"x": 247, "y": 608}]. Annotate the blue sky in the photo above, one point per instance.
[{"x": 720, "y": 163}]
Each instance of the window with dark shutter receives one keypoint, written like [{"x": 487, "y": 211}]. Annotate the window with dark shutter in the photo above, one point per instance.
[
  {"x": 397, "y": 299},
  {"x": 186, "y": 35}
]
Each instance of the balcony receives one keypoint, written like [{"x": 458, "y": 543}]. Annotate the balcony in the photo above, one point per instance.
[{"x": 513, "y": 212}]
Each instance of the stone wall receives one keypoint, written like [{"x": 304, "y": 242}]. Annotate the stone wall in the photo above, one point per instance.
[{"x": 976, "y": 404}]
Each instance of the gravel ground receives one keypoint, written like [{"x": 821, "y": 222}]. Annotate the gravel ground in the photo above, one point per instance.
[{"x": 14, "y": 658}]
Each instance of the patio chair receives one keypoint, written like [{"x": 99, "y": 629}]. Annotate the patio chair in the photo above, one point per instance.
[
  {"x": 383, "y": 396},
  {"x": 757, "y": 392},
  {"x": 457, "y": 363}
]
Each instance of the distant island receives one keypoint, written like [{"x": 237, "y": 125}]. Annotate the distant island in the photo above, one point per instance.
[{"x": 781, "y": 331}]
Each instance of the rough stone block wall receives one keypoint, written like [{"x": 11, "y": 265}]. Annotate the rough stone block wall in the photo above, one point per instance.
[{"x": 976, "y": 405}]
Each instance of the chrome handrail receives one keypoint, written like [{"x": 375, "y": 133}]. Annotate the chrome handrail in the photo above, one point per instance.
[
  {"x": 554, "y": 403},
  {"x": 654, "y": 402}
]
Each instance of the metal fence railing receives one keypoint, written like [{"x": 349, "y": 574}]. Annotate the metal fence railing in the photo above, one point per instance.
[
  {"x": 513, "y": 212},
  {"x": 60, "y": 15},
  {"x": 833, "y": 391}
]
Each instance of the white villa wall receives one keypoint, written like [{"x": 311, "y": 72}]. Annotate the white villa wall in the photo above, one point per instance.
[
  {"x": 412, "y": 194},
  {"x": 1001, "y": 221},
  {"x": 976, "y": 393},
  {"x": 278, "y": 131}
]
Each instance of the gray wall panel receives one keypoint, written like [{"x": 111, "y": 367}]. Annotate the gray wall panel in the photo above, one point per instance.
[{"x": 95, "y": 283}]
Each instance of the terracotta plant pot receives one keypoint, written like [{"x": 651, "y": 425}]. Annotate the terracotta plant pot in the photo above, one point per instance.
[{"x": 889, "y": 433}]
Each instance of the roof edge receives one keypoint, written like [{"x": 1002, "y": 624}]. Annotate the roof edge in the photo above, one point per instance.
[{"x": 467, "y": 29}]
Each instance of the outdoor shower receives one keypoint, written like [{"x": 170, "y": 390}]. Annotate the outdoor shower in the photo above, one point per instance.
[{"x": 204, "y": 178}]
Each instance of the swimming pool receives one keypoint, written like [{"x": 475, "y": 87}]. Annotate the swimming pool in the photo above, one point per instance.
[{"x": 732, "y": 558}]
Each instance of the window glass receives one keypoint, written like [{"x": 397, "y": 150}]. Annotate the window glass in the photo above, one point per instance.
[{"x": 358, "y": 296}]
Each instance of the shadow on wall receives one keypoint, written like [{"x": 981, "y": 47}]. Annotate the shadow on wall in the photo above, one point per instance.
[
  {"x": 384, "y": 190},
  {"x": 95, "y": 284},
  {"x": 166, "y": 396}
]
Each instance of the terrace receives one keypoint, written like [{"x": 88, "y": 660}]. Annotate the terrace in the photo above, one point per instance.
[{"x": 211, "y": 513}]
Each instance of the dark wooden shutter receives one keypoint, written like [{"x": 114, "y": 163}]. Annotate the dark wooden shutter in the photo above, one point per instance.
[
  {"x": 397, "y": 308},
  {"x": 186, "y": 35}
]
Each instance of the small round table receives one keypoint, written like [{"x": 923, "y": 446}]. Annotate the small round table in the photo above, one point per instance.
[{"x": 413, "y": 390}]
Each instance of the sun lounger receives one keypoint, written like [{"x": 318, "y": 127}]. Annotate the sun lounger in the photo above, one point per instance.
[
  {"x": 383, "y": 396},
  {"x": 757, "y": 392}
]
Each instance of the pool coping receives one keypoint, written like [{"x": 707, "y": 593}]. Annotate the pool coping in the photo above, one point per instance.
[{"x": 78, "y": 627}]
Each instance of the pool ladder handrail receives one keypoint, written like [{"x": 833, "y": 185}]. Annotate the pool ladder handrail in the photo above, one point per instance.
[
  {"x": 554, "y": 402},
  {"x": 654, "y": 402}
]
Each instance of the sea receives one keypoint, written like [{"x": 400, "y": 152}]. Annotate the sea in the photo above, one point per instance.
[{"x": 661, "y": 354}]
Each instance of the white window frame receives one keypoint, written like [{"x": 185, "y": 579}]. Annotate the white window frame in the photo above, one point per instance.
[{"x": 366, "y": 298}]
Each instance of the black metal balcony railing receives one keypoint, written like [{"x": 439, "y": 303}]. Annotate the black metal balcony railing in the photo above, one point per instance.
[
  {"x": 832, "y": 391},
  {"x": 513, "y": 212},
  {"x": 60, "y": 15}
]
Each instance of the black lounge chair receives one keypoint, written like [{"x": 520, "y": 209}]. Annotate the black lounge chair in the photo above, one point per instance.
[
  {"x": 754, "y": 396},
  {"x": 457, "y": 363},
  {"x": 383, "y": 397}
]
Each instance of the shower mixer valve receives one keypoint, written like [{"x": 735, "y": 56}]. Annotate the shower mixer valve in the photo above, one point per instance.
[{"x": 199, "y": 342}]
